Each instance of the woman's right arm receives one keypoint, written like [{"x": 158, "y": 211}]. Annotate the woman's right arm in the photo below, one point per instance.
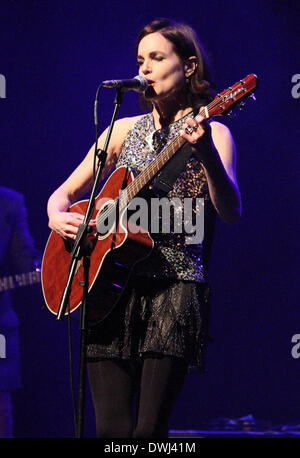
[{"x": 80, "y": 182}]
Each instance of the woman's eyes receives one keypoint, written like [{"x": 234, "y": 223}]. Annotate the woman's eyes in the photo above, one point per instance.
[{"x": 157, "y": 58}]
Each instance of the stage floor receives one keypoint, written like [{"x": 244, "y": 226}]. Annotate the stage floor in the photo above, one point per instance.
[{"x": 237, "y": 434}]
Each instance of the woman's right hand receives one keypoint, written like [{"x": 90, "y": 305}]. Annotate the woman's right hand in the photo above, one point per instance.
[{"x": 66, "y": 223}]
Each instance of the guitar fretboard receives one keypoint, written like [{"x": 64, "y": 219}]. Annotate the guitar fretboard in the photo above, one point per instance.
[
  {"x": 19, "y": 280},
  {"x": 154, "y": 167},
  {"x": 221, "y": 104}
]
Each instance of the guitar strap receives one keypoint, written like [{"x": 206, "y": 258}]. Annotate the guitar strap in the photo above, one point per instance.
[{"x": 165, "y": 180}]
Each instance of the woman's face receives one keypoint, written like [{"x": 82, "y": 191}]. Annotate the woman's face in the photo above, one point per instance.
[{"x": 160, "y": 65}]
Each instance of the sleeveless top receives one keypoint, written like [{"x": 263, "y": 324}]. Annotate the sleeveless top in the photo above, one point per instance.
[
  {"x": 165, "y": 311},
  {"x": 171, "y": 257}
]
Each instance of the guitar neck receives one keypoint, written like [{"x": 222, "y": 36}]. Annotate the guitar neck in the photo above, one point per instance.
[
  {"x": 19, "y": 280},
  {"x": 149, "y": 172},
  {"x": 220, "y": 105}
]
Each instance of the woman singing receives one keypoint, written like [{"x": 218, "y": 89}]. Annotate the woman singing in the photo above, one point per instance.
[{"x": 141, "y": 353}]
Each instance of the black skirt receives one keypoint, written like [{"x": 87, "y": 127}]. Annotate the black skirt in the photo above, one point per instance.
[{"x": 155, "y": 317}]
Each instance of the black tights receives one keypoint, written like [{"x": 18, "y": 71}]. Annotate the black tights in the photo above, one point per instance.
[{"x": 156, "y": 382}]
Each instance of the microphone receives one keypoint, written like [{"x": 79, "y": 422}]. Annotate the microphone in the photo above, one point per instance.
[{"x": 138, "y": 84}]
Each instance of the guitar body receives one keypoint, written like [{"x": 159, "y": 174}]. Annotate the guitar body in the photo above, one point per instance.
[{"x": 112, "y": 258}]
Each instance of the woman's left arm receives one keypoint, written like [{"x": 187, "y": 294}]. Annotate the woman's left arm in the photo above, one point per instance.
[{"x": 215, "y": 148}]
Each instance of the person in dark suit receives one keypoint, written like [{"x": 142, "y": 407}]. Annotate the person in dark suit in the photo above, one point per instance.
[{"x": 17, "y": 255}]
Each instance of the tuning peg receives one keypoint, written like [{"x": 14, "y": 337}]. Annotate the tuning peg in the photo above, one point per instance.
[
  {"x": 241, "y": 105},
  {"x": 253, "y": 97}
]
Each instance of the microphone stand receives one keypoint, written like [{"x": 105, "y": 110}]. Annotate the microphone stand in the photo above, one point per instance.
[{"x": 80, "y": 249}]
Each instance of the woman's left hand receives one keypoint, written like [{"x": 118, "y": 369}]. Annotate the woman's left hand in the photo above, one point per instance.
[
  {"x": 197, "y": 132},
  {"x": 213, "y": 146}
]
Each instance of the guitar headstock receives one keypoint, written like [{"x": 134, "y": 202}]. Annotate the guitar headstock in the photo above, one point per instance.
[{"x": 234, "y": 95}]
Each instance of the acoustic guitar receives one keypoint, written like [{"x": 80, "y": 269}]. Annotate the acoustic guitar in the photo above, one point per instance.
[{"x": 114, "y": 253}]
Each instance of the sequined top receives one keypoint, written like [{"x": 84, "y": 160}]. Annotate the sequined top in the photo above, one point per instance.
[
  {"x": 172, "y": 256},
  {"x": 161, "y": 313}
]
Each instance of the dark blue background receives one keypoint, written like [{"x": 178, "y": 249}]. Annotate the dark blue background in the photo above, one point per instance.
[{"x": 53, "y": 56}]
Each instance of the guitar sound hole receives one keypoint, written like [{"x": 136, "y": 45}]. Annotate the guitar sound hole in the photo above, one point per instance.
[{"x": 105, "y": 220}]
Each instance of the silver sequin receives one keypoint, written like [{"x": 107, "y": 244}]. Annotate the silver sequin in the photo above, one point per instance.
[{"x": 171, "y": 257}]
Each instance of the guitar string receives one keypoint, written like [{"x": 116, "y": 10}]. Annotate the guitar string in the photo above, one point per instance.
[
  {"x": 153, "y": 166},
  {"x": 130, "y": 191}
]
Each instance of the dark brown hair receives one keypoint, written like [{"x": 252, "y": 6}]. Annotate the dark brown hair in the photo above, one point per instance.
[{"x": 200, "y": 86}]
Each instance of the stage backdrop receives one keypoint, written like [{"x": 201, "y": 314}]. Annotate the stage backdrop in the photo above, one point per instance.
[{"x": 54, "y": 54}]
